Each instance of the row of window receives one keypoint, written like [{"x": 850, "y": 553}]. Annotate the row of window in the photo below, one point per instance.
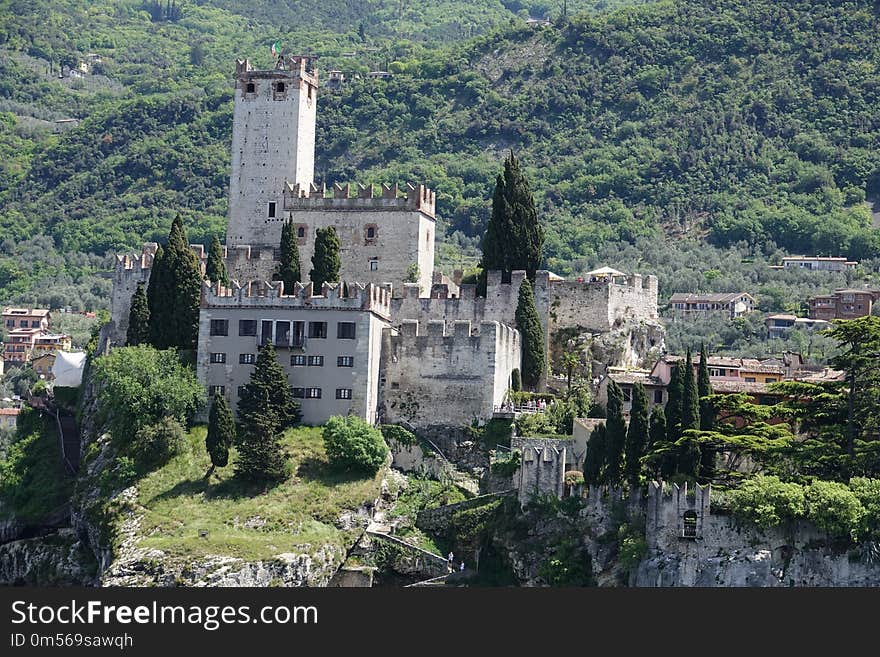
[
  {"x": 283, "y": 331},
  {"x": 297, "y": 360},
  {"x": 298, "y": 393},
  {"x": 23, "y": 323}
]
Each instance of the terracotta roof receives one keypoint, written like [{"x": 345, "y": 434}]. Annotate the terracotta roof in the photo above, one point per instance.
[
  {"x": 9, "y": 411},
  {"x": 728, "y": 386},
  {"x": 26, "y": 312}
]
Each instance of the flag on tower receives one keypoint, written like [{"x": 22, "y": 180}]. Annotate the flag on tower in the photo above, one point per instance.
[{"x": 276, "y": 49}]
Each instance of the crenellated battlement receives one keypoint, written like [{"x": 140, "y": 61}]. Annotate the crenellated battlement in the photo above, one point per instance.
[
  {"x": 437, "y": 332},
  {"x": 288, "y": 67},
  {"x": 356, "y": 197},
  {"x": 266, "y": 294},
  {"x": 676, "y": 512}
]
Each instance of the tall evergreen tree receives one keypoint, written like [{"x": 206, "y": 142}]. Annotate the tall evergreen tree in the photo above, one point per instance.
[
  {"x": 174, "y": 293},
  {"x": 673, "y": 404},
  {"x": 325, "y": 261},
  {"x": 138, "y": 318},
  {"x": 534, "y": 358},
  {"x": 215, "y": 270},
  {"x": 158, "y": 298},
  {"x": 514, "y": 237},
  {"x": 265, "y": 408},
  {"x": 657, "y": 435},
  {"x": 707, "y": 415},
  {"x": 637, "y": 433},
  {"x": 704, "y": 389},
  {"x": 690, "y": 399},
  {"x": 289, "y": 268},
  {"x": 221, "y": 433},
  {"x": 689, "y": 458},
  {"x": 594, "y": 459},
  {"x": 615, "y": 426}
]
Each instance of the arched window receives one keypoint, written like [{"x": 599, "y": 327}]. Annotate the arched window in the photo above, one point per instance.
[
  {"x": 371, "y": 233},
  {"x": 689, "y": 524},
  {"x": 250, "y": 88},
  {"x": 301, "y": 232},
  {"x": 280, "y": 87}
]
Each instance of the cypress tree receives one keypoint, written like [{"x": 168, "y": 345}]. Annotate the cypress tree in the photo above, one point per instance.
[
  {"x": 615, "y": 426},
  {"x": 289, "y": 269},
  {"x": 707, "y": 415},
  {"x": 689, "y": 458},
  {"x": 515, "y": 380},
  {"x": 514, "y": 237},
  {"x": 673, "y": 404},
  {"x": 704, "y": 389},
  {"x": 158, "y": 298},
  {"x": 637, "y": 433},
  {"x": 174, "y": 292},
  {"x": 595, "y": 456},
  {"x": 265, "y": 408},
  {"x": 221, "y": 433},
  {"x": 529, "y": 324},
  {"x": 186, "y": 277},
  {"x": 215, "y": 270},
  {"x": 690, "y": 400},
  {"x": 657, "y": 435},
  {"x": 325, "y": 261},
  {"x": 138, "y": 318}
]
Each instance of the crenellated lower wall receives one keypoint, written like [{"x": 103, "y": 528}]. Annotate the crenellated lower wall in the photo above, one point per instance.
[{"x": 432, "y": 376}]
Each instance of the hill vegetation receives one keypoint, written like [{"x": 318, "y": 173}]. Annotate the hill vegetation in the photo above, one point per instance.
[{"x": 738, "y": 123}]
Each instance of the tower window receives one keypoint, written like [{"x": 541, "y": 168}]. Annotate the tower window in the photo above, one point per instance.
[
  {"x": 271, "y": 209},
  {"x": 374, "y": 264},
  {"x": 301, "y": 232},
  {"x": 250, "y": 88},
  {"x": 280, "y": 87}
]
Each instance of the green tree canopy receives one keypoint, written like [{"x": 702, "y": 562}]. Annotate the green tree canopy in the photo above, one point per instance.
[
  {"x": 534, "y": 355},
  {"x": 615, "y": 426},
  {"x": 353, "y": 444},
  {"x": 514, "y": 237},
  {"x": 637, "y": 433},
  {"x": 138, "y": 318},
  {"x": 289, "y": 266},
  {"x": 221, "y": 433},
  {"x": 265, "y": 408},
  {"x": 325, "y": 261},
  {"x": 215, "y": 269}
]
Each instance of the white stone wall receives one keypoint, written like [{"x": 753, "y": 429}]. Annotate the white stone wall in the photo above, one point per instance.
[
  {"x": 601, "y": 307},
  {"x": 542, "y": 470},
  {"x": 431, "y": 376},
  {"x": 273, "y": 142},
  {"x": 129, "y": 271}
]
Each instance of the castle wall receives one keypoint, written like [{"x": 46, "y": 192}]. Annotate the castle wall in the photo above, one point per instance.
[
  {"x": 600, "y": 307},
  {"x": 273, "y": 142},
  {"x": 542, "y": 470},
  {"x": 726, "y": 553},
  {"x": 129, "y": 271},
  {"x": 432, "y": 376}
]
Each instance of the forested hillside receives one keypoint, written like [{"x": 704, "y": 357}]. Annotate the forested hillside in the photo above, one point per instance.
[{"x": 732, "y": 122}]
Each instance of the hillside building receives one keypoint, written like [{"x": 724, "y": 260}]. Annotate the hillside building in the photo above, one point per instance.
[
  {"x": 726, "y": 304},
  {"x": 818, "y": 263},
  {"x": 843, "y": 304}
]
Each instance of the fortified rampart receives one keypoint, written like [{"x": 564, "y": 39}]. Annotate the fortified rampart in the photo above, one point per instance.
[
  {"x": 602, "y": 306},
  {"x": 266, "y": 294},
  {"x": 130, "y": 270},
  {"x": 435, "y": 377},
  {"x": 542, "y": 469}
]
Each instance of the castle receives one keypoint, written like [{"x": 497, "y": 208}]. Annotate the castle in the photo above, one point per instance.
[{"x": 394, "y": 341}]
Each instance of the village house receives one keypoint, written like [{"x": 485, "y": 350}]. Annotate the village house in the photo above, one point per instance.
[
  {"x": 728, "y": 304},
  {"x": 818, "y": 263},
  {"x": 843, "y": 304},
  {"x": 43, "y": 365},
  {"x": 26, "y": 318},
  {"x": 780, "y": 324},
  {"x": 9, "y": 418}
]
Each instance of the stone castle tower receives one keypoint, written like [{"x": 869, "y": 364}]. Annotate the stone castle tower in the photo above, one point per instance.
[{"x": 273, "y": 144}]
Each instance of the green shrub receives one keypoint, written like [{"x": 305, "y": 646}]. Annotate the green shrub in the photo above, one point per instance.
[
  {"x": 140, "y": 386},
  {"x": 156, "y": 444},
  {"x": 868, "y": 492},
  {"x": 352, "y": 444},
  {"x": 398, "y": 434},
  {"x": 574, "y": 478},
  {"x": 515, "y": 380},
  {"x": 834, "y": 508},
  {"x": 507, "y": 467},
  {"x": 767, "y": 501}
]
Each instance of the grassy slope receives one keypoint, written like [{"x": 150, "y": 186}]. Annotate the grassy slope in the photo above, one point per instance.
[{"x": 300, "y": 512}]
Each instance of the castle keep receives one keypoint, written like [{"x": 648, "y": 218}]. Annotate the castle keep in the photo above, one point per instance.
[{"x": 398, "y": 342}]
